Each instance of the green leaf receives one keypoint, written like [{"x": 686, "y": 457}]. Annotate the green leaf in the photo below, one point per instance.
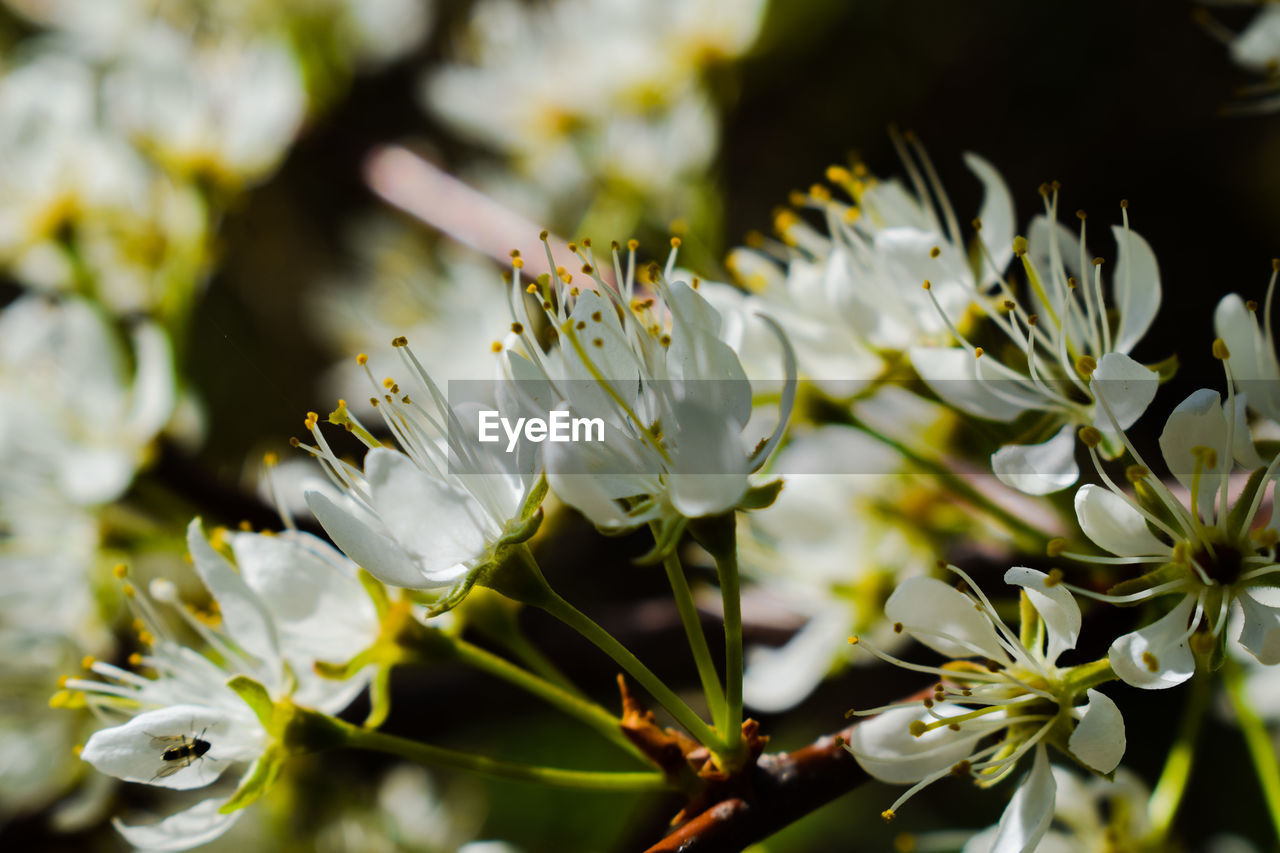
[
  {"x": 761, "y": 497},
  {"x": 261, "y": 777},
  {"x": 256, "y": 697}
]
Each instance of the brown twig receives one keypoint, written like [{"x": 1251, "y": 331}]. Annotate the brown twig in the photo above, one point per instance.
[{"x": 785, "y": 787}]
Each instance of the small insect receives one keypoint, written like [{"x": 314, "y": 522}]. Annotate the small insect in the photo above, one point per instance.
[{"x": 179, "y": 751}]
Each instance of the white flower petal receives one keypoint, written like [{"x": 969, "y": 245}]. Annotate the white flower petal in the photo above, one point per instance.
[
  {"x": 154, "y": 385},
  {"x": 437, "y": 523},
  {"x": 1030, "y": 811},
  {"x": 245, "y": 616},
  {"x": 371, "y": 549},
  {"x": 1158, "y": 655},
  {"x": 708, "y": 466},
  {"x": 885, "y": 747},
  {"x": 996, "y": 214},
  {"x": 1126, "y": 386},
  {"x": 778, "y": 679},
  {"x": 1099, "y": 739},
  {"x": 1136, "y": 286},
  {"x": 1254, "y": 363},
  {"x": 189, "y": 828},
  {"x": 1197, "y": 421},
  {"x": 944, "y": 619},
  {"x": 1055, "y": 604},
  {"x": 1260, "y": 633},
  {"x": 132, "y": 753},
  {"x": 951, "y": 374},
  {"x": 1039, "y": 469},
  {"x": 1113, "y": 524}
]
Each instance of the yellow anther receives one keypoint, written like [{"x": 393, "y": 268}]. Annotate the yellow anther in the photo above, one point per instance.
[
  {"x": 1251, "y": 305},
  {"x": 633, "y": 244},
  {"x": 87, "y": 662},
  {"x": 796, "y": 198},
  {"x": 1267, "y": 537},
  {"x": 888, "y": 815},
  {"x": 1097, "y": 262},
  {"x": 1090, "y": 436},
  {"x": 675, "y": 242},
  {"x": 1019, "y": 246},
  {"x": 311, "y": 420},
  {"x": 976, "y": 223},
  {"x": 897, "y": 627},
  {"x": 1134, "y": 473},
  {"x": 542, "y": 235},
  {"x": 904, "y": 842},
  {"x": 573, "y": 248},
  {"x": 1275, "y": 264},
  {"x": 1081, "y": 215},
  {"x": 1053, "y": 578},
  {"x": 838, "y": 174},
  {"x": 146, "y": 637},
  {"x": 517, "y": 328},
  {"x": 917, "y": 728},
  {"x": 978, "y": 352},
  {"x": 62, "y": 680},
  {"x": 532, "y": 288},
  {"x": 598, "y": 342},
  {"x": 362, "y": 359},
  {"x": 120, "y": 570},
  {"x": 1033, "y": 319},
  {"x": 135, "y": 660},
  {"x": 518, "y": 263},
  {"x": 496, "y": 346},
  {"x": 935, "y": 252},
  {"x": 1055, "y": 546},
  {"x": 852, "y": 214},
  {"x": 853, "y": 641},
  {"x": 1207, "y": 455},
  {"x": 597, "y": 316},
  {"x": 1220, "y": 351},
  {"x": 819, "y": 192},
  {"x": 927, "y": 285},
  {"x": 245, "y": 526},
  {"x": 270, "y": 459},
  {"x": 1086, "y": 365}
]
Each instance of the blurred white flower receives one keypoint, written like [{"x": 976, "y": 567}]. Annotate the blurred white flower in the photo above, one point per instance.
[
  {"x": 616, "y": 95},
  {"x": 1205, "y": 551},
  {"x": 1074, "y": 345},
  {"x": 1256, "y": 49},
  {"x": 1096, "y": 815},
  {"x": 1014, "y": 699},
  {"x": 830, "y": 549},
  {"x": 225, "y": 111},
  {"x": 451, "y": 304},
  {"x": 68, "y": 408}
]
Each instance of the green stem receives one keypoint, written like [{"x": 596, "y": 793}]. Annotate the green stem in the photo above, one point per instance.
[
  {"x": 589, "y": 713},
  {"x": 575, "y": 619},
  {"x": 697, "y": 639},
  {"x": 1172, "y": 784},
  {"x": 359, "y": 738},
  {"x": 1258, "y": 739},
  {"x": 953, "y": 482},
  {"x": 513, "y": 640},
  {"x": 727, "y": 567}
]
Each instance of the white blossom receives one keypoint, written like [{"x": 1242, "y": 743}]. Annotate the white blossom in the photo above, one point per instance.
[
  {"x": 1072, "y": 349},
  {"x": 986, "y": 714},
  {"x": 672, "y": 396},
  {"x": 1253, "y": 347},
  {"x": 289, "y": 600},
  {"x": 1209, "y": 552}
]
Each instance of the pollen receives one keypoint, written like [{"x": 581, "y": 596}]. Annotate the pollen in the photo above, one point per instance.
[
  {"x": 532, "y": 288},
  {"x": 888, "y": 815},
  {"x": 935, "y": 252},
  {"x": 120, "y": 570},
  {"x": 978, "y": 352},
  {"x": 853, "y": 641},
  {"x": 1151, "y": 662},
  {"x": 87, "y": 662},
  {"x": 1220, "y": 351},
  {"x": 311, "y": 420},
  {"x": 496, "y": 346}
]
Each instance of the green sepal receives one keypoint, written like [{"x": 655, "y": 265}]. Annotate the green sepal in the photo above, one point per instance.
[
  {"x": 666, "y": 538},
  {"x": 716, "y": 533},
  {"x": 1236, "y": 518},
  {"x": 377, "y": 593},
  {"x": 1155, "y": 577},
  {"x": 761, "y": 497},
  {"x": 256, "y": 697},
  {"x": 1166, "y": 368},
  {"x": 533, "y": 500},
  {"x": 514, "y": 573},
  {"x": 521, "y": 530},
  {"x": 1151, "y": 502},
  {"x": 260, "y": 779},
  {"x": 456, "y": 594},
  {"x": 379, "y": 697}
]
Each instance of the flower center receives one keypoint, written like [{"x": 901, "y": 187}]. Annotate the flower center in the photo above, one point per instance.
[{"x": 1223, "y": 563}]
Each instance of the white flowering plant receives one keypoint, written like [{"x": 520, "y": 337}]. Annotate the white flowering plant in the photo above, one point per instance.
[{"x": 625, "y": 540}]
